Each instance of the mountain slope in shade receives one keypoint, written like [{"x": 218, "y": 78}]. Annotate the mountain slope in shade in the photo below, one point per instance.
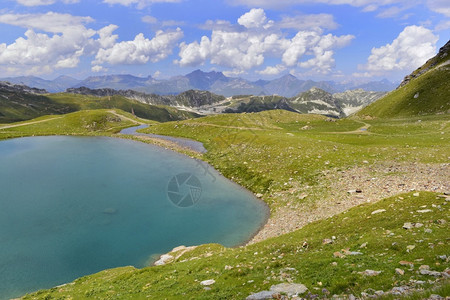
[
  {"x": 425, "y": 91},
  {"x": 19, "y": 103}
]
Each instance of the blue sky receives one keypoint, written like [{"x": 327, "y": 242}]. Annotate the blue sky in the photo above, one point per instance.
[{"x": 337, "y": 40}]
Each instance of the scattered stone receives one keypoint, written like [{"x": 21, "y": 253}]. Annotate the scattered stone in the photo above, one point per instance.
[
  {"x": 409, "y": 225},
  {"x": 303, "y": 196},
  {"x": 424, "y": 267},
  {"x": 259, "y": 195},
  {"x": 416, "y": 194},
  {"x": 399, "y": 271},
  {"x": 363, "y": 245},
  {"x": 163, "y": 259},
  {"x": 399, "y": 290},
  {"x": 378, "y": 211},
  {"x": 346, "y": 252},
  {"x": 435, "y": 297},
  {"x": 334, "y": 264},
  {"x": 290, "y": 289},
  {"x": 369, "y": 273},
  {"x": 431, "y": 273},
  {"x": 263, "y": 295},
  {"x": 410, "y": 247},
  {"x": 338, "y": 254},
  {"x": 406, "y": 263},
  {"x": 422, "y": 211},
  {"x": 306, "y": 127},
  {"x": 443, "y": 257},
  {"x": 228, "y": 267},
  {"x": 428, "y": 230},
  {"x": 327, "y": 241},
  {"x": 208, "y": 282}
]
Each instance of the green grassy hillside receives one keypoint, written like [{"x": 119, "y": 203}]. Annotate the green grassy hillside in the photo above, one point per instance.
[
  {"x": 425, "y": 91},
  {"x": 19, "y": 106},
  {"x": 425, "y": 95},
  {"x": 158, "y": 113},
  {"x": 85, "y": 122}
]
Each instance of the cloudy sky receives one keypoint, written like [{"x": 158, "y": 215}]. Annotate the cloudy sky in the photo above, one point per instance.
[{"x": 312, "y": 39}]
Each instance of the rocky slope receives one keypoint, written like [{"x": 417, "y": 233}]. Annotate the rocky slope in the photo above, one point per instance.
[
  {"x": 318, "y": 101},
  {"x": 190, "y": 98},
  {"x": 353, "y": 100},
  {"x": 313, "y": 101}
]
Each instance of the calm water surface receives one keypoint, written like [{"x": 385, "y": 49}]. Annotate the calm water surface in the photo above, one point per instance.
[{"x": 72, "y": 206}]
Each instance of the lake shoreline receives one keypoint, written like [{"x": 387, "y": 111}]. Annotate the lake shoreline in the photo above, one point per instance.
[{"x": 178, "y": 148}]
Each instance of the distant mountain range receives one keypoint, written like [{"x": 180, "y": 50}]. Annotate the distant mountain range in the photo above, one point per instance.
[{"x": 215, "y": 82}]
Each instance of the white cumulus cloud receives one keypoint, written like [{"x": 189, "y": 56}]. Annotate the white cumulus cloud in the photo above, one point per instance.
[
  {"x": 412, "y": 48},
  {"x": 255, "y": 18},
  {"x": 56, "y": 41},
  {"x": 246, "y": 47},
  {"x": 141, "y": 49},
  {"x": 36, "y": 52},
  {"x": 272, "y": 70}
]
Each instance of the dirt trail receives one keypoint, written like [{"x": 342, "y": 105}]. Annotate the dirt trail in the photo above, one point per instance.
[{"x": 29, "y": 123}]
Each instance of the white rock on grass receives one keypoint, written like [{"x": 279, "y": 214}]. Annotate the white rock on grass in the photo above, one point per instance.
[
  {"x": 399, "y": 271},
  {"x": 208, "y": 282},
  {"x": 422, "y": 211},
  {"x": 378, "y": 211},
  {"x": 290, "y": 289},
  {"x": 369, "y": 273},
  {"x": 263, "y": 295},
  {"x": 163, "y": 259}
]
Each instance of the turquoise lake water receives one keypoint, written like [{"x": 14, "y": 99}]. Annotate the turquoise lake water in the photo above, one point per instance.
[{"x": 72, "y": 206}]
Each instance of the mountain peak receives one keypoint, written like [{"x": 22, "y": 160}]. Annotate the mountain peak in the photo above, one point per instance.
[{"x": 203, "y": 80}]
